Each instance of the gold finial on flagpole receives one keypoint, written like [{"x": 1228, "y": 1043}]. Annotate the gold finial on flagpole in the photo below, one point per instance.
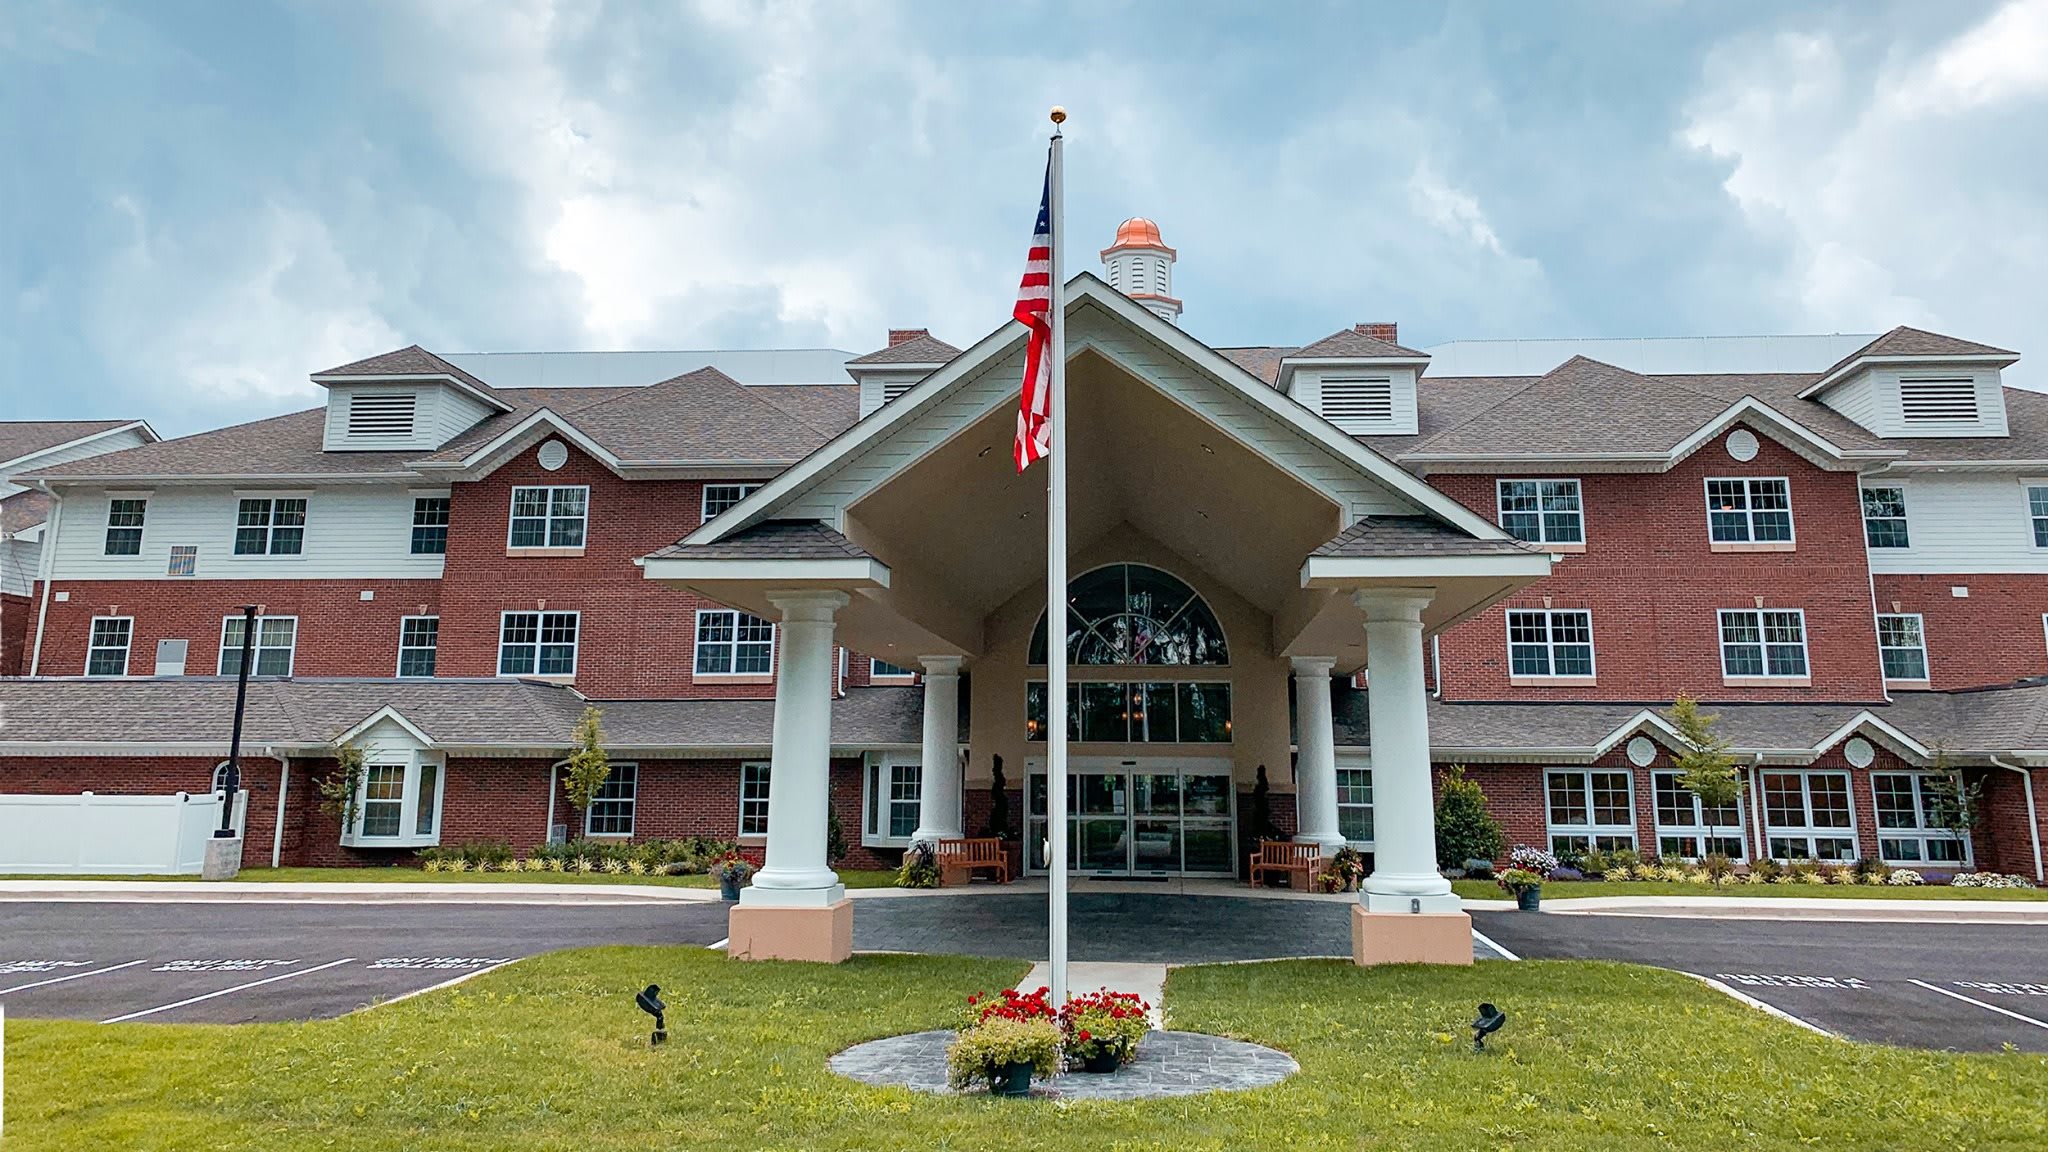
[{"x": 1059, "y": 114}]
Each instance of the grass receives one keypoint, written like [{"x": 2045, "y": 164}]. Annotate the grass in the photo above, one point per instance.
[
  {"x": 550, "y": 1054},
  {"x": 1579, "y": 889},
  {"x": 852, "y": 878}
]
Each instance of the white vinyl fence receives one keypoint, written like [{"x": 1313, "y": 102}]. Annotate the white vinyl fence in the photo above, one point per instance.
[{"x": 92, "y": 834}]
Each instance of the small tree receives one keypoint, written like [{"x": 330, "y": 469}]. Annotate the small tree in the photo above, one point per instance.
[
  {"x": 1951, "y": 803},
  {"x": 1705, "y": 766},
  {"x": 998, "y": 803},
  {"x": 341, "y": 791},
  {"x": 1262, "y": 808},
  {"x": 587, "y": 767},
  {"x": 1465, "y": 830},
  {"x": 835, "y": 838}
]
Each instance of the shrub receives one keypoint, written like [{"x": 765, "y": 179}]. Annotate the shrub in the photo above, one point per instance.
[
  {"x": 1624, "y": 858},
  {"x": 1904, "y": 878},
  {"x": 1532, "y": 860},
  {"x": 983, "y": 1053},
  {"x": 1479, "y": 869},
  {"x": 1766, "y": 870},
  {"x": 1593, "y": 863},
  {"x": 471, "y": 856},
  {"x": 1990, "y": 880},
  {"x": 1566, "y": 873},
  {"x": 1345, "y": 868},
  {"x": 1717, "y": 868},
  {"x": 1867, "y": 867},
  {"x": 1465, "y": 830},
  {"x": 920, "y": 867}
]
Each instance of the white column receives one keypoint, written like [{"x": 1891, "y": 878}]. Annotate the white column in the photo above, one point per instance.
[
  {"x": 938, "y": 797},
  {"x": 1315, "y": 762},
  {"x": 1404, "y": 877},
  {"x": 799, "y": 776}
]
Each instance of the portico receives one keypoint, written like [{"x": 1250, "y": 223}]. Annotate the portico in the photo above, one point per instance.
[{"x": 1226, "y": 544}]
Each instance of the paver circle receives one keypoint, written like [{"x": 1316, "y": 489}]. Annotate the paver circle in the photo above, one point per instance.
[{"x": 1168, "y": 1064}]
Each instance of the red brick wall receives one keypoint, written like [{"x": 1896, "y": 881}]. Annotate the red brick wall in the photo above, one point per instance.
[
  {"x": 1992, "y": 636},
  {"x": 2002, "y": 840},
  {"x": 14, "y": 616},
  {"x": 1653, "y": 585},
  {"x": 155, "y": 776},
  {"x": 637, "y": 638},
  {"x": 340, "y": 633}
]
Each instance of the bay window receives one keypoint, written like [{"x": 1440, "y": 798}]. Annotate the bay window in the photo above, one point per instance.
[
  {"x": 398, "y": 801},
  {"x": 891, "y": 803}
]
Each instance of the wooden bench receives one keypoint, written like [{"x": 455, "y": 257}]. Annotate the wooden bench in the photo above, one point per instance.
[
  {"x": 1300, "y": 863},
  {"x": 959, "y": 860}
]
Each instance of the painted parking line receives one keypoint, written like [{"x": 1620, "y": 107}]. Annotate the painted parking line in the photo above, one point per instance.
[
  {"x": 226, "y": 991},
  {"x": 1981, "y": 1004},
  {"x": 450, "y": 983},
  {"x": 73, "y": 976},
  {"x": 1483, "y": 938},
  {"x": 1768, "y": 1009}
]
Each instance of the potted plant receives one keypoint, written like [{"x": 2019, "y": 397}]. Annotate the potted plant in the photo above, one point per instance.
[
  {"x": 1003, "y": 1040},
  {"x": 1527, "y": 887},
  {"x": 1103, "y": 1029},
  {"x": 731, "y": 870}
]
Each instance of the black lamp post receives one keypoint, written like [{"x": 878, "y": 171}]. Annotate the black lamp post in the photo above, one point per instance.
[{"x": 233, "y": 780}]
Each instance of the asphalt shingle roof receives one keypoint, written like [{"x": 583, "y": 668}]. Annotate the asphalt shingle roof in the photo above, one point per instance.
[
  {"x": 1351, "y": 342},
  {"x": 1414, "y": 536},
  {"x": 772, "y": 540},
  {"x": 412, "y": 360},
  {"x": 19, "y": 438},
  {"x": 1904, "y": 341},
  {"x": 926, "y": 349}
]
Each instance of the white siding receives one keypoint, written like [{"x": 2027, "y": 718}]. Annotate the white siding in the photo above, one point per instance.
[
  {"x": 1855, "y": 399},
  {"x": 441, "y": 414},
  {"x": 65, "y": 454},
  {"x": 876, "y": 388},
  {"x": 1308, "y": 389},
  {"x": 352, "y": 532},
  {"x": 1963, "y": 523},
  {"x": 20, "y": 561},
  {"x": 1871, "y": 398},
  {"x": 996, "y": 385}
]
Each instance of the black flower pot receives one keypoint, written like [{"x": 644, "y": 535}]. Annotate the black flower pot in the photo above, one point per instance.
[
  {"x": 729, "y": 888},
  {"x": 1528, "y": 899},
  {"x": 1015, "y": 1080},
  {"x": 1102, "y": 1060}
]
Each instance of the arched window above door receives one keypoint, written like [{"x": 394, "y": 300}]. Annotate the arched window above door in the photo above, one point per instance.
[{"x": 1132, "y": 614}]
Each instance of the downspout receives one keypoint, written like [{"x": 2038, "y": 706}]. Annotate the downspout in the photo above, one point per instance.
[
  {"x": 2033, "y": 819},
  {"x": 1756, "y": 805},
  {"x": 547, "y": 833},
  {"x": 49, "y": 564},
  {"x": 284, "y": 783},
  {"x": 1883, "y": 689},
  {"x": 1436, "y": 665}
]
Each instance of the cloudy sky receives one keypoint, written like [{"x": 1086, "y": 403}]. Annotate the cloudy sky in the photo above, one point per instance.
[{"x": 201, "y": 203}]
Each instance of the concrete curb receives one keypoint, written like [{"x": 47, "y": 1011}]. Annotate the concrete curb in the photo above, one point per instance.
[
  {"x": 1878, "y": 911},
  {"x": 228, "y": 891}
]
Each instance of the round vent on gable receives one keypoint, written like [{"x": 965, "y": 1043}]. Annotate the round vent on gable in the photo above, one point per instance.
[
  {"x": 1859, "y": 752},
  {"x": 1641, "y": 751},
  {"x": 1742, "y": 444},
  {"x": 553, "y": 455}
]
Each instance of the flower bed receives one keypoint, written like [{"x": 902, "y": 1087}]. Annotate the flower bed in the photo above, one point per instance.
[{"x": 688, "y": 856}]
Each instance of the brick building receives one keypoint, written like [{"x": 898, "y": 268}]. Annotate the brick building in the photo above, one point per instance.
[{"x": 1839, "y": 543}]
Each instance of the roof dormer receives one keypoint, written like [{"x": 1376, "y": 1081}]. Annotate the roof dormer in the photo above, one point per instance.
[
  {"x": 406, "y": 400},
  {"x": 883, "y": 375},
  {"x": 1361, "y": 379},
  {"x": 1910, "y": 383}
]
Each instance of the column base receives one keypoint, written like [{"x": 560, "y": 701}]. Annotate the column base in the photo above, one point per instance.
[
  {"x": 1410, "y": 937},
  {"x": 223, "y": 860},
  {"x": 822, "y": 934}
]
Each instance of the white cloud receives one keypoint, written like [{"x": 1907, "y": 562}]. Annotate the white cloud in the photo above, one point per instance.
[
  {"x": 1872, "y": 180},
  {"x": 1452, "y": 211}
]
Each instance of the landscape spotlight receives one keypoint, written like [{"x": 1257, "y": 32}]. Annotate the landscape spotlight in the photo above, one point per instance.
[
  {"x": 649, "y": 1001},
  {"x": 1489, "y": 1020}
]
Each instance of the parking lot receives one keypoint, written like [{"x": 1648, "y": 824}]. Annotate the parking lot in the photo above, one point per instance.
[
  {"x": 236, "y": 963},
  {"x": 1969, "y": 987}
]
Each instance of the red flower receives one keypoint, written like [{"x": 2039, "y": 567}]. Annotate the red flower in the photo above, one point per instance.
[{"x": 1084, "y": 1036}]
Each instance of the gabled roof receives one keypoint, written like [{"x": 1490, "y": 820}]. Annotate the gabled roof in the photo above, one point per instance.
[
  {"x": 1353, "y": 344},
  {"x": 925, "y": 349},
  {"x": 281, "y": 446},
  {"x": 410, "y": 363},
  {"x": 1903, "y": 344},
  {"x": 1415, "y": 536},
  {"x": 772, "y": 540},
  {"x": 21, "y": 438}
]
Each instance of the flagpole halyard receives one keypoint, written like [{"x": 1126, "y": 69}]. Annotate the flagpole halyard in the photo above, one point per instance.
[{"x": 1056, "y": 581}]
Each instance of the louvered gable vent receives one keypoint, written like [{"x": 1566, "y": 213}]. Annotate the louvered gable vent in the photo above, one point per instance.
[
  {"x": 891, "y": 389},
  {"x": 1359, "y": 403},
  {"x": 1948, "y": 400},
  {"x": 381, "y": 416}
]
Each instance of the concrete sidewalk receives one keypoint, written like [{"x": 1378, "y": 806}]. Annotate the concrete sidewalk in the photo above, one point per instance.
[
  {"x": 1869, "y": 911},
  {"x": 58, "y": 890}
]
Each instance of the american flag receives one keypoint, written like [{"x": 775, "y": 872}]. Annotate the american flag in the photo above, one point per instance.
[{"x": 1034, "y": 299}]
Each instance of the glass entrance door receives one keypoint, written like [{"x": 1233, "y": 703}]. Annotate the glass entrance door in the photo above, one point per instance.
[{"x": 1140, "y": 817}]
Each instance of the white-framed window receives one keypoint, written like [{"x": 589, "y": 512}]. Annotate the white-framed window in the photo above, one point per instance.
[
  {"x": 537, "y": 643},
  {"x": 270, "y": 526},
  {"x": 1541, "y": 511},
  {"x": 881, "y": 672},
  {"x": 1763, "y": 644},
  {"x": 419, "y": 638},
  {"x": 549, "y": 517},
  {"x": 106, "y": 651},
  {"x": 276, "y": 638},
  {"x": 754, "y": 799},
  {"x": 611, "y": 806},
  {"x": 429, "y": 525},
  {"x": 891, "y": 803},
  {"x": 1354, "y": 806},
  {"x": 399, "y": 804},
  {"x": 719, "y": 497},
  {"x": 1688, "y": 829},
  {"x": 125, "y": 515},
  {"x": 1902, "y": 646},
  {"x": 1884, "y": 517},
  {"x": 734, "y": 644},
  {"x": 1589, "y": 809},
  {"x": 2037, "y": 509},
  {"x": 1809, "y": 816},
  {"x": 1749, "y": 510},
  {"x": 1550, "y": 642},
  {"x": 1908, "y": 809}
]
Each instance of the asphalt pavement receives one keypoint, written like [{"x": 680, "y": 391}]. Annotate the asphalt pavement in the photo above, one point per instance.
[
  {"x": 236, "y": 963},
  {"x": 1968, "y": 987}
]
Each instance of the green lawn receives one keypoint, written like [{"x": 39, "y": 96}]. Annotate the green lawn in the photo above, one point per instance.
[
  {"x": 851, "y": 878},
  {"x": 550, "y": 1053},
  {"x": 1578, "y": 889}
]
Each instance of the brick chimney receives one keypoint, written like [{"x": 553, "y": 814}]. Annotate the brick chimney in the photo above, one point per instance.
[
  {"x": 1389, "y": 332},
  {"x": 906, "y": 335}
]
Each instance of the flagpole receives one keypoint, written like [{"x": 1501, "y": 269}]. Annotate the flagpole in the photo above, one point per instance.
[{"x": 1056, "y": 585}]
